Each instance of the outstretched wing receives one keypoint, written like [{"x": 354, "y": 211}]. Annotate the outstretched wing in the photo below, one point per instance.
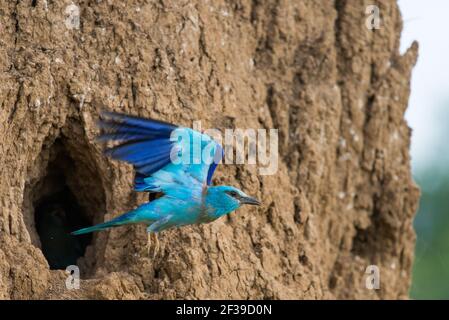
[{"x": 164, "y": 156}]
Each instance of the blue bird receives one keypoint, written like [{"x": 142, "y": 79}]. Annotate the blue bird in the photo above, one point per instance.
[{"x": 176, "y": 162}]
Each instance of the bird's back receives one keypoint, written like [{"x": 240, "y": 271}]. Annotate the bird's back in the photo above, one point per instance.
[{"x": 185, "y": 205}]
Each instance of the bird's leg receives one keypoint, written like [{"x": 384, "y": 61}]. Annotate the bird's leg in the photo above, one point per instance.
[
  {"x": 148, "y": 246},
  {"x": 155, "y": 228},
  {"x": 156, "y": 246}
]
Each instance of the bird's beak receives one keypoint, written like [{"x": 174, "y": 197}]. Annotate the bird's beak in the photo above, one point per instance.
[{"x": 250, "y": 200}]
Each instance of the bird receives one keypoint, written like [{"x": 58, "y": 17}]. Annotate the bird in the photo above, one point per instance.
[{"x": 175, "y": 164}]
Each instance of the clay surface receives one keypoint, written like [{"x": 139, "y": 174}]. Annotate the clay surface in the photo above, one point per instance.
[{"x": 342, "y": 199}]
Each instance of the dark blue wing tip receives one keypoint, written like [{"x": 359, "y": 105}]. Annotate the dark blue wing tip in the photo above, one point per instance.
[
  {"x": 119, "y": 126},
  {"x": 124, "y": 118},
  {"x": 219, "y": 154}
]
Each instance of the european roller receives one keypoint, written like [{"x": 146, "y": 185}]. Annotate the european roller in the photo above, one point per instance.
[{"x": 174, "y": 162}]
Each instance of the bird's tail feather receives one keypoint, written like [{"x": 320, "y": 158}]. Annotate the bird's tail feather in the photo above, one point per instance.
[{"x": 126, "y": 218}]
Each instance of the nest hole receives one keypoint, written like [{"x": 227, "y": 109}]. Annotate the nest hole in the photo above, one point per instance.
[
  {"x": 68, "y": 196},
  {"x": 56, "y": 215}
]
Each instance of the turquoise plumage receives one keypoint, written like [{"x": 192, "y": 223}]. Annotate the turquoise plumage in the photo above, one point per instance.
[{"x": 175, "y": 161}]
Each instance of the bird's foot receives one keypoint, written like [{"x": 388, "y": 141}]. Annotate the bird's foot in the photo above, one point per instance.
[
  {"x": 150, "y": 248},
  {"x": 156, "y": 246},
  {"x": 147, "y": 247}
]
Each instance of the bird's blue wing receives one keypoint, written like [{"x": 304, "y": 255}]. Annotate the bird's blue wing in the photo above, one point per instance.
[{"x": 164, "y": 156}]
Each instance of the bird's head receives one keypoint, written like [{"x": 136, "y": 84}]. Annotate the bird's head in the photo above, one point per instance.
[{"x": 226, "y": 199}]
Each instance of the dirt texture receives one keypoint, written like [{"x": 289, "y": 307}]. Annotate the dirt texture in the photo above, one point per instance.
[{"x": 342, "y": 199}]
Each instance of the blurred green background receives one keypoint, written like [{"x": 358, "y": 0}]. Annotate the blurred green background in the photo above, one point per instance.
[
  {"x": 428, "y": 115},
  {"x": 431, "y": 267}
]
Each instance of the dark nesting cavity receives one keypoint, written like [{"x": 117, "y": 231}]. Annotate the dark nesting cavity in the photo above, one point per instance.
[
  {"x": 56, "y": 215},
  {"x": 67, "y": 197},
  {"x": 57, "y": 212}
]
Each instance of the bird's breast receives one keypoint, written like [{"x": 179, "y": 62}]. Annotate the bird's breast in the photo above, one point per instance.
[{"x": 206, "y": 215}]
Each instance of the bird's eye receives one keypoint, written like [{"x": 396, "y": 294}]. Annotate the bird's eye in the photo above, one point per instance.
[{"x": 233, "y": 193}]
